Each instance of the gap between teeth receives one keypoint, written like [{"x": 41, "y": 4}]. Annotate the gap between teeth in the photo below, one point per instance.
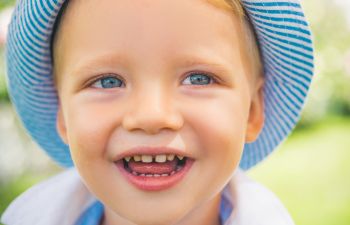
[{"x": 158, "y": 158}]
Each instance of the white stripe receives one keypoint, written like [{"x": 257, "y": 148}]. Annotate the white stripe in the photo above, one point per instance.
[
  {"x": 275, "y": 7},
  {"x": 285, "y": 31},
  {"x": 271, "y": 56},
  {"x": 41, "y": 9},
  {"x": 282, "y": 114},
  {"x": 35, "y": 22},
  {"x": 28, "y": 68},
  {"x": 293, "y": 47},
  {"x": 286, "y": 75},
  {"x": 278, "y": 113}
]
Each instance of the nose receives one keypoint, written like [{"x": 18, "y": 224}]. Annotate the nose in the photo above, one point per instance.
[{"x": 151, "y": 111}]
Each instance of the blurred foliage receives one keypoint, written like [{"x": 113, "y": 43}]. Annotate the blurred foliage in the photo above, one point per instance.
[
  {"x": 310, "y": 173},
  {"x": 6, "y": 3},
  {"x": 3, "y": 90},
  {"x": 11, "y": 189},
  {"x": 329, "y": 92}
]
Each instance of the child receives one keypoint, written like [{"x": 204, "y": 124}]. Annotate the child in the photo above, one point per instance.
[{"x": 155, "y": 105}]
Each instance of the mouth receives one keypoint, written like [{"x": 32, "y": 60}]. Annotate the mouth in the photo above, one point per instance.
[{"x": 154, "y": 172}]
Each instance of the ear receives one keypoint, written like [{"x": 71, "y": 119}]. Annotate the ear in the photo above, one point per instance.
[
  {"x": 61, "y": 125},
  {"x": 256, "y": 113}
]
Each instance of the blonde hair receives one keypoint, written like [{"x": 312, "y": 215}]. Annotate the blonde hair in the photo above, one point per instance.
[
  {"x": 231, "y": 5},
  {"x": 250, "y": 40}
]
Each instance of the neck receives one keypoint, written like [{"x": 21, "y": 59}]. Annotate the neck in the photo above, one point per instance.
[{"x": 206, "y": 214}]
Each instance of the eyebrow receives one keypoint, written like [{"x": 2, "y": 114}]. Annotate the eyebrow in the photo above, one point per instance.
[
  {"x": 189, "y": 62},
  {"x": 91, "y": 64},
  {"x": 220, "y": 64}
]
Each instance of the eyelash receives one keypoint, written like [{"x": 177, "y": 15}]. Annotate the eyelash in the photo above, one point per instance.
[{"x": 213, "y": 78}]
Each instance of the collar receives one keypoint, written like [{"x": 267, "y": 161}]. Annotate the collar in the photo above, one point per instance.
[{"x": 65, "y": 200}]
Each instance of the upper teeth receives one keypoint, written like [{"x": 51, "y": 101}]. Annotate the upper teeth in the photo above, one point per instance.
[
  {"x": 160, "y": 158},
  {"x": 157, "y": 158}
]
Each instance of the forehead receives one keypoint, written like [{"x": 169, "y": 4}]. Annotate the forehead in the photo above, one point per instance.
[{"x": 151, "y": 28}]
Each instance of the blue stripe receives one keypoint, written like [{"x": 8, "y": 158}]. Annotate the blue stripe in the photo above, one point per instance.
[
  {"x": 281, "y": 109},
  {"x": 269, "y": 137},
  {"x": 47, "y": 112},
  {"x": 276, "y": 123},
  {"x": 19, "y": 64},
  {"x": 51, "y": 8},
  {"x": 286, "y": 101},
  {"x": 296, "y": 52},
  {"x": 284, "y": 75},
  {"x": 271, "y": 105},
  {"x": 292, "y": 93},
  {"x": 48, "y": 99},
  {"x": 40, "y": 103},
  {"x": 37, "y": 56},
  {"x": 272, "y": 4},
  {"x": 283, "y": 34},
  {"x": 41, "y": 9},
  {"x": 279, "y": 19},
  {"x": 284, "y": 27},
  {"x": 286, "y": 71},
  {"x": 29, "y": 33},
  {"x": 20, "y": 52},
  {"x": 32, "y": 16},
  {"x": 24, "y": 43},
  {"x": 292, "y": 43},
  {"x": 23, "y": 63},
  {"x": 58, "y": 2},
  {"x": 276, "y": 12},
  {"x": 293, "y": 58},
  {"x": 279, "y": 57}
]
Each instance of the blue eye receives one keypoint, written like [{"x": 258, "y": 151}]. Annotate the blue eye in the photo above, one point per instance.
[
  {"x": 107, "y": 82},
  {"x": 199, "y": 79}
]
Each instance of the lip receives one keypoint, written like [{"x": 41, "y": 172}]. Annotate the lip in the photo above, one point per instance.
[
  {"x": 142, "y": 150},
  {"x": 155, "y": 183}
]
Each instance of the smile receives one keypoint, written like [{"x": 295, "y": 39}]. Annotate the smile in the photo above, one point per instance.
[{"x": 154, "y": 172}]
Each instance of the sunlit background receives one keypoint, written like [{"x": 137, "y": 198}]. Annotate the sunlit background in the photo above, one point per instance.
[{"x": 310, "y": 172}]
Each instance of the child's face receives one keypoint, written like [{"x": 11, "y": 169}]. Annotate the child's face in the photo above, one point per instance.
[{"x": 154, "y": 48}]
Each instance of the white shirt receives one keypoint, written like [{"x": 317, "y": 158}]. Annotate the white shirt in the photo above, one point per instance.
[{"x": 62, "y": 199}]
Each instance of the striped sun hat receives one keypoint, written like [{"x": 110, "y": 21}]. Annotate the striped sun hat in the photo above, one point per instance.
[{"x": 285, "y": 42}]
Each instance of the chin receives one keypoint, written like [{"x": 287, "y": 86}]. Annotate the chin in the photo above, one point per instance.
[
  {"x": 153, "y": 215},
  {"x": 154, "y": 219}
]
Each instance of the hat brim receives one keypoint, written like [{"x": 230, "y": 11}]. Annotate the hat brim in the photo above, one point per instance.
[{"x": 285, "y": 42}]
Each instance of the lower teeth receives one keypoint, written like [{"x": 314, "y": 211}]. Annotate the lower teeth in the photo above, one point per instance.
[
  {"x": 177, "y": 169},
  {"x": 154, "y": 175}
]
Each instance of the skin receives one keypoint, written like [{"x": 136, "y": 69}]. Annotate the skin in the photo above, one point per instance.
[{"x": 153, "y": 46}]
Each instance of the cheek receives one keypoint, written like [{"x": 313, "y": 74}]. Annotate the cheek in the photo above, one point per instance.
[
  {"x": 220, "y": 121},
  {"x": 89, "y": 126},
  {"x": 220, "y": 126}
]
